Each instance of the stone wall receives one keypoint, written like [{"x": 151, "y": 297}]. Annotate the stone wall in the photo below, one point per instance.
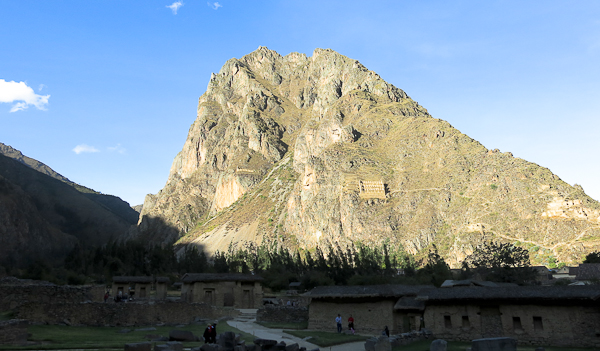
[
  {"x": 369, "y": 317},
  {"x": 282, "y": 314},
  {"x": 13, "y": 331},
  {"x": 575, "y": 326},
  {"x": 120, "y": 314},
  {"x": 15, "y": 292}
]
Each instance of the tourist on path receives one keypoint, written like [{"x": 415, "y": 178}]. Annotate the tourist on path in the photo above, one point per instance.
[
  {"x": 351, "y": 324},
  {"x": 338, "y": 321}
]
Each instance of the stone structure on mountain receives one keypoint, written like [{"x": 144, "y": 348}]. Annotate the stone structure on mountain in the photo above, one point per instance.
[{"x": 280, "y": 145}]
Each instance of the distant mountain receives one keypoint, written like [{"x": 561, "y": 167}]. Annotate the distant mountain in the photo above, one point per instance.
[
  {"x": 303, "y": 151},
  {"x": 110, "y": 202},
  {"x": 42, "y": 217}
]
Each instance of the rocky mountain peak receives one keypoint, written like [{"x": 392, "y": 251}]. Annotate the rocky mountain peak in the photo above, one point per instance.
[{"x": 304, "y": 151}]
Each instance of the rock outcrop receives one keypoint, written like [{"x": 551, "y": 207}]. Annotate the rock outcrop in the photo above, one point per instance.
[{"x": 281, "y": 145}]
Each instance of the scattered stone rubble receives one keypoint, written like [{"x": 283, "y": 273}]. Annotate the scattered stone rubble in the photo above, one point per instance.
[
  {"x": 227, "y": 341},
  {"x": 383, "y": 342}
]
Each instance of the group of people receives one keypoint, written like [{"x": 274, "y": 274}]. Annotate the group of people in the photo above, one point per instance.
[
  {"x": 338, "y": 321},
  {"x": 210, "y": 334}
]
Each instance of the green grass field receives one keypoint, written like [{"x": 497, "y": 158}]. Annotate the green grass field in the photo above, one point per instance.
[
  {"x": 55, "y": 337},
  {"x": 324, "y": 339}
]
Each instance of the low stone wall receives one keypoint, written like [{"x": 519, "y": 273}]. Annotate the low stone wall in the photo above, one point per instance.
[
  {"x": 120, "y": 314},
  {"x": 282, "y": 314},
  {"x": 13, "y": 331},
  {"x": 15, "y": 292}
]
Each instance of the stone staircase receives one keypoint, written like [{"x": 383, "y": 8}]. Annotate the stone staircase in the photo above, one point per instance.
[{"x": 246, "y": 315}]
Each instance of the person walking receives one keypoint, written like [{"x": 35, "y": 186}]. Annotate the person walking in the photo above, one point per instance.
[
  {"x": 351, "y": 324},
  {"x": 338, "y": 321}
]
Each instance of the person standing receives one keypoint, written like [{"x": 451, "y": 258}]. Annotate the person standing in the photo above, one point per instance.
[
  {"x": 338, "y": 321},
  {"x": 351, "y": 324},
  {"x": 213, "y": 333}
]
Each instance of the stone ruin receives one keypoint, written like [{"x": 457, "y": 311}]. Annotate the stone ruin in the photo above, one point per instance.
[
  {"x": 227, "y": 341},
  {"x": 371, "y": 189},
  {"x": 14, "y": 332}
]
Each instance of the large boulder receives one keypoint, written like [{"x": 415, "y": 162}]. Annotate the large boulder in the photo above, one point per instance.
[
  {"x": 438, "y": 345},
  {"x": 494, "y": 344},
  {"x": 182, "y": 335},
  {"x": 383, "y": 344}
]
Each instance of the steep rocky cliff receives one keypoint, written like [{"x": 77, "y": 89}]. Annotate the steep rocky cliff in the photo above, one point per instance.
[{"x": 309, "y": 150}]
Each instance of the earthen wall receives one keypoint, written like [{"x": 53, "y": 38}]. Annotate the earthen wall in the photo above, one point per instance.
[
  {"x": 120, "y": 314},
  {"x": 575, "y": 326},
  {"x": 282, "y": 314},
  {"x": 368, "y": 316}
]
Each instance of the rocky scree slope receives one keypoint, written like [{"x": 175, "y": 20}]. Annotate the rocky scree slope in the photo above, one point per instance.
[{"x": 281, "y": 144}]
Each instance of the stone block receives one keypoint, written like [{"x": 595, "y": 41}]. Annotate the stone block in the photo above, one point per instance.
[
  {"x": 265, "y": 342},
  {"x": 162, "y": 347},
  {"x": 438, "y": 345},
  {"x": 292, "y": 347},
  {"x": 383, "y": 344},
  {"x": 182, "y": 335},
  {"x": 370, "y": 344},
  {"x": 175, "y": 345},
  {"x": 209, "y": 347},
  {"x": 494, "y": 344},
  {"x": 139, "y": 346},
  {"x": 280, "y": 346}
]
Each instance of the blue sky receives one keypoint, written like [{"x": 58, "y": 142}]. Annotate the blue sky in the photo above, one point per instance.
[{"x": 119, "y": 81}]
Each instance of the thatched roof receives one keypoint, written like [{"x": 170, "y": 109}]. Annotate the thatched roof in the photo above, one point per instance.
[
  {"x": 163, "y": 280},
  {"x": 587, "y": 271},
  {"x": 133, "y": 279},
  {"x": 365, "y": 291},
  {"x": 220, "y": 277},
  {"x": 519, "y": 293},
  {"x": 409, "y": 303}
]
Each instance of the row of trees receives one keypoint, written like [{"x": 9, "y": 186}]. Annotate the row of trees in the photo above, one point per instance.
[{"x": 357, "y": 264}]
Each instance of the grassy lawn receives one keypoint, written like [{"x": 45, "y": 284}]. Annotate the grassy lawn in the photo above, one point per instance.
[
  {"x": 461, "y": 346},
  {"x": 324, "y": 339},
  {"x": 53, "y": 337},
  {"x": 298, "y": 325}
]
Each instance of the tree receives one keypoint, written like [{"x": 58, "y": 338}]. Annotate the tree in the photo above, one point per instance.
[
  {"x": 503, "y": 262},
  {"x": 592, "y": 257}
]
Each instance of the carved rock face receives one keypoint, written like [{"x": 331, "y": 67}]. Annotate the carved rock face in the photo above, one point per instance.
[{"x": 280, "y": 146}]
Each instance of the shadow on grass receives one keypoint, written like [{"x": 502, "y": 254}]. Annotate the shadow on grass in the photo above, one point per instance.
[
  {"x": 297, "y": 326},
  {"x": 324, "y": 339}
]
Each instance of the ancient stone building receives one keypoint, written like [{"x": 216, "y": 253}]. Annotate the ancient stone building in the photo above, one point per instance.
[
  {"x": 231, "y": 289},
  {"x": 538, "y": 315},
  {"x": 141, "y": 286},
  {"x": 372, "y": 307}
]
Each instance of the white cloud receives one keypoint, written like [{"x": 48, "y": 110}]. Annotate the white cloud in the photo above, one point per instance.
[
  {"x": 11, "y": 92},
  {"x": 175, "y": 6},
  {"x": 81, "y": 148},
  {"x": 118, "y": 148},
  {"x": 214, "y": 5},
  {"x": 41, "y": 86}
]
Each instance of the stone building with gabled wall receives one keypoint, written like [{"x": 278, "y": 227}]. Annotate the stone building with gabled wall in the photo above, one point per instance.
[
  {"x": 372, "y": 306},
  {"x": 536, "y": 315},
  {"x": 223, "y": 290}
]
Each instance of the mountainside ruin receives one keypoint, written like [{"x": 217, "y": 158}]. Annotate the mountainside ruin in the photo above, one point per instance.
[{"x": 304, "y": 151}]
